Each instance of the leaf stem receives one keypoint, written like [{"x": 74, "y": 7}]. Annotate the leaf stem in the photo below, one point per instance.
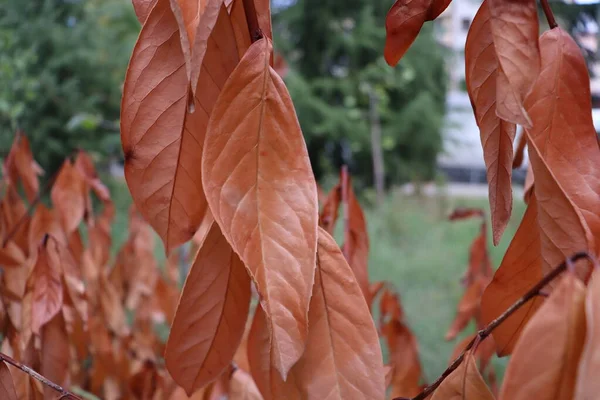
[
  {"x": 549, "y": 15},
  {"x": 482, "y": 334},
  {"x": 252, "y": 20},
  {"x": 64, "y": 394}
]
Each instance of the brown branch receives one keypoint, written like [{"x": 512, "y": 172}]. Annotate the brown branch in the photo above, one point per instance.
[
  {"x": 549, "y": 15},
  {"x": 252, "y": 20},
  {"x": 64, "y": 394},
  {"x": 482, "y": 334},
  {"x": 345, "y": 196}
]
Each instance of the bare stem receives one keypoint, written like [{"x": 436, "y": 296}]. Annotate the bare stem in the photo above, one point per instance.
[
  {"x": 64, "y": 394},
  {"x": 252, "y": 20},
  {"x": 482, "y": 334},
  {"x": 549, "y": 15}
]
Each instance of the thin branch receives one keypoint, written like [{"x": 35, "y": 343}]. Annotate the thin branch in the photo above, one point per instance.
[
  {"x": 64, "y": 394},
  {"x": 549, "y": 15},
  {"x": 252, "y": 20},
  {"x": 482, "y": 334}
]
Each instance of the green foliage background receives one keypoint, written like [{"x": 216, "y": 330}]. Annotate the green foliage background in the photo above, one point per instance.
[{"x": 62, "y": 65}]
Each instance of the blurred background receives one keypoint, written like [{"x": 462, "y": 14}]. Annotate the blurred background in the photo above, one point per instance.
[{"x": 62, "y": 65}]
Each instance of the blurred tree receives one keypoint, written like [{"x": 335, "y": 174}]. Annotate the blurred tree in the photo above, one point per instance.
[
  {"x": 62, "y": 64},
  {"x": 335, "y": 49}
]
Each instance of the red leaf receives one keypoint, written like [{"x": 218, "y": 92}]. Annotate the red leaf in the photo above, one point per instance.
[
  {"x": 465, "y": 213},
  {"x": 262, "y": 193},
  {"x": 497, "y": 135},
  {"x": 20, "y": 165},
  {"x": 142, "y": 8},
  {"x": 211, "y": 316},
  {"x": 330, "y": 211},
  {"x": 55, "y": 354}
]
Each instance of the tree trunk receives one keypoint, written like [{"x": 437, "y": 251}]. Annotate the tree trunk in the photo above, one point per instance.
[{"x": 376, "y": 150}]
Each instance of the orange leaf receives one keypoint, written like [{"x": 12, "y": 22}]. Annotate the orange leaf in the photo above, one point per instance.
[
  {"x": 544, "y": 363},
  {"x": 528, "y": 186},
  {"x": 55, "y": 353},
  {"x": 342, "y": 357},
  {"x": 7, "y": 386},
  {"x": 467, "y": 309},
  {"x": 240, "y": 27},
  {"x": 160, "y": 137},
  {"x": 142, "y": 8},
  {"x": 69, "y": 195},
  {"x": 242, "y": 387},
  {"x": 44, "y": 222},
  {"x": 497, "y": 135},
  {"x": 45, "y": 285},
  {"x": 404, "y": 356},
  {"x": 521, "y": 269},
  {"x": 515, "y": 31},
  {"x": 19, "y": 164},
  {"x": 356, "y": 245},
  {"x": 262, "y": 193},
  {"x": 330, "y": 211},
  {"x": 588, "y": 386},
  {"x": 479, "y": 260},
  {"x": 211, "y": 316},
  {"x": 465, "y": 213},
  {"x": 84, "y": 163},
  {"x": 11, "y": 256},
  {"x": 563, "y": 131},
  {"x": 562, "y": 227},
  {"x": 403, "y": 23},
  {"x": 464, "y": 383},
  {"x": 520, "y": 150}
]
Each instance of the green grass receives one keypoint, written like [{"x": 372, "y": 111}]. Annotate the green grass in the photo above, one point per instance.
[{"x": 414, "y": 246}]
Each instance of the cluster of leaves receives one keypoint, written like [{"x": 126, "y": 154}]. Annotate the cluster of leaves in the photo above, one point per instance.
[
  {"x": 541, "y": 83},
  {"x": 68, "y": 310}
]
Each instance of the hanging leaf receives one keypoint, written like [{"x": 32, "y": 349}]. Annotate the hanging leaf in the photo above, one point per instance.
[
  {"x": 356, "y": 245},
  {"x": 588, "y": 386},
  {"x": 465, "y": 213},
  {"x": 262, "y": 193},
  {"x": 242, "y": 387},
  {"x": 20, "y": 165},
  {"x": 404, "y": 356},
  {"x": 44, "y": 222},
  {"x": 330, "y": 211},
  {"x": 467, "y": 309},
  {"x": 7, "y": 386},
  {"x": 563, "y": 130},
  {"x": 211, "y": 316},
  {"x": 562, "y": 227},
  {"x": 403, "y": 23},
  {"x": 142, "y": 8},
  {"x": 55, "y": 354},
  {"x": 160, "y": 137},
  {"x": 85, "y": 165},
  {"x": 45, "y": 285},
  {"x": 240, "y": 27},
  {"x": 520, "y": 150},
  {"x": 342, "y": 356},
  {"x": 464, "y": 383},
  {"x": 69, "y": 197},
  {"x": 544, "y": 363},
  {"x": 520, "y": 270},
  {"x": 497, "y": 135},
  {"x": 515, "y": 30}
]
